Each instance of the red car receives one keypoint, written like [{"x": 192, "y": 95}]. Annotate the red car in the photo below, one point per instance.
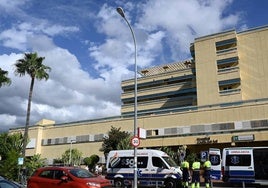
[{"x": 66, "y": 177}]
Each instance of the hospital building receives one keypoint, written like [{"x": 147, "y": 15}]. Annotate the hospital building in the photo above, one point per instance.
[{"x": 217, "y": 98}]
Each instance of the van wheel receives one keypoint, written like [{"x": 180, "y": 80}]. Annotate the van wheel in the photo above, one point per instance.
[
  {"x": 170, "y": 183},
  {"x": 118, "y": 182}
]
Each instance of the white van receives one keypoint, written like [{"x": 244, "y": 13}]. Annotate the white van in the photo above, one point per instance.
[
  {"x": 245, "y": 164},
  {"x": 215, "y": 159},
  {"x": 154, "y": 168}
]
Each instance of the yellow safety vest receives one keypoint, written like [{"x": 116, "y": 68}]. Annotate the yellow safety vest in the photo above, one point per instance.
[
  {"x": 185, "y": 164},
  {"x": 207, "y": 165},
  {"x": 196, "y": 166}
]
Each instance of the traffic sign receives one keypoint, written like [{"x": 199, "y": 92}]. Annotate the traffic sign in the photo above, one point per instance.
[
  {"x": 20, "y": 160},
  {"x": 135, "y": 141}
]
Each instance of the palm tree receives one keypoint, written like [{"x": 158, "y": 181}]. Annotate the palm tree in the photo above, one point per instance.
[
  {"x": 4, "y": 80},
  {"x": 32, "y": 65}
]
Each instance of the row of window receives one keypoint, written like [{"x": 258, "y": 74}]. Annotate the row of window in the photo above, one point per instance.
[
  {"x": 164, "y": 132},
  {"x": 207, "y": 128},
  {"x": 73, "y": 139},
  {"x": 168, "y": 81},
  {"x": 227, "y": 65}
]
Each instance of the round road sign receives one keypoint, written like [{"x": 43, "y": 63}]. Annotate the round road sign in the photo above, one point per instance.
[{"x": 135, "y": 141}]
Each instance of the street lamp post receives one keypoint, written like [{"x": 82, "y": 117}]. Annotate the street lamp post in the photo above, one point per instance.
[
  {"x": 70, "y": 154},
  {"x": 121, "y": 12}
]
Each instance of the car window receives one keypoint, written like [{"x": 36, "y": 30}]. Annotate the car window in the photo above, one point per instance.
[
  {"x": 47, "y": 174},
  {"x": 81, "y": 173},
  {"x": 59, "y": 174}
]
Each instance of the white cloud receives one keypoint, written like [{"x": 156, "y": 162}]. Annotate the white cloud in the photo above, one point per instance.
[
  {"x": 11, "y": 5},
  {"x": 70, "y": 94},
  {"x": 14, "y": 39},
  {"x": 182, "y": 21},
  {"x": 26, "y": 35},
  {"x": 163, "y": 29},
  {"x": 8, "y": 120}
]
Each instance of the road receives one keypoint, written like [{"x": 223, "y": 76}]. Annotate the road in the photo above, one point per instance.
[{"x": 229, "y": 185}]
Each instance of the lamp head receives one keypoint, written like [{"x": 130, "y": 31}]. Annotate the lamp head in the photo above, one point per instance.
[{"x": 120, "y": 11}]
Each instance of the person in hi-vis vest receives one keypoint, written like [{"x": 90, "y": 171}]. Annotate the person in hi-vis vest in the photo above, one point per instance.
[
  {"x": 185, "y": 173},
  {"x": 207, "y": 168},
  {"x": 196, "y": 174}
]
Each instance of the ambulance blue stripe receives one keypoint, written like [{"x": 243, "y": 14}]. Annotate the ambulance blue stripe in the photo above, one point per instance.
[{"x": 240, "y": 176}]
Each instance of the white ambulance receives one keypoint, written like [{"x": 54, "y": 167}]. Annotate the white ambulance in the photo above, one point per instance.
[
  {"x": 245, "y": 165},
  {"x": 154, "y": 168},
  {"x": 215, "y": 159}
]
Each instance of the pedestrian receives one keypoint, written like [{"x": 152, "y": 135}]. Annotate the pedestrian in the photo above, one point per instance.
[
  {"x": 100, "y": 169},
  {"x": 97, "y": 169},
  {"x": 207, "y": 168},
  {"x": 185, "y": 173},
  {"x": 196, "y": 174}
]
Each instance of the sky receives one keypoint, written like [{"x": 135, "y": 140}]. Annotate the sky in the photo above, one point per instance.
[{"x": 90, "y": 50}]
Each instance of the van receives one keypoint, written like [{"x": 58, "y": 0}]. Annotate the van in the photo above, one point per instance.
[
  {"x": 215, "y": 159},
  {"x": 154, "y": 168},
  {"x": 245, "y": 164}
]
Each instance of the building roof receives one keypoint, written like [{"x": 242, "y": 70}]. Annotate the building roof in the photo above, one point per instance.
[{"x": 166, "y": 68}]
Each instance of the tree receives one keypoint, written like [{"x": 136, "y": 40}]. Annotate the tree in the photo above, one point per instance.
[
  {"x": 9, "y": 166},
  {"x": 72, "y": 157},
  {"x": 4, "y": 80},
  {"x": 91, "y": 161},
  {"x": 34, "y": 162},
  {"x": 11, "y": 147},
  {"x": 124, "y": 144},
  {"x": 173, "y": 154},
  {"x": 178, "y": 156},
  {"x": 32, "y": 65},
  {"x": 10, "y": 142},
  {"x": 111, "y": 141}
]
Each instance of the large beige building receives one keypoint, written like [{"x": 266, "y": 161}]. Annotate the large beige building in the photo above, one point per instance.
[{"x": 219, "y": 98}]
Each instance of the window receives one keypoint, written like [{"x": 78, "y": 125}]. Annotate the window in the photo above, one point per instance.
[
  {"x": 157, "y": 162},
  {"x": 238, "y": 160},
  {"x": 142, "y": 162},
  {"x": 222, "y": 46},
  {"x": 81, "y": 173},
  {"x": 170, "y": 161},
  {"x": 215, "y": 159},
  {"x": 47, "y": 174},
  {"x": 128, "y": 162},
  {"x": 59, "y": 174},
  {"x": 229, "y": 85},
  {"x": 223, "y": 64}
]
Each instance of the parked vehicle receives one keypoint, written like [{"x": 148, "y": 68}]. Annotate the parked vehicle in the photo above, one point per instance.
[
  {"x": 66, "y": 177},
  {"x": 215, "y": 159},
  {"x": 155, "y": 168},
  {"x": 4, "y": 183},
  {"x": 245, "y": 165}
]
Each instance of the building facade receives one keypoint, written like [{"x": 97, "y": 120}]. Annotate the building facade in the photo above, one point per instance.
[{"x": 218, "y": 98}]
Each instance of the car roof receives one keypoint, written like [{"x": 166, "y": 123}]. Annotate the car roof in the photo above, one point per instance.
[{"x": 59, "y": 167}]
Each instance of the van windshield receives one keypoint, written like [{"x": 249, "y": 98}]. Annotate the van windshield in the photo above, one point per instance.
[{"x": 170, "y": 161}]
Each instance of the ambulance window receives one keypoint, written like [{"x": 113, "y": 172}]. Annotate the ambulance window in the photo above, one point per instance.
[
  {"x": 142, "y": 162},
  {"x": 170, "y": 161},
  {"x": 157, "y": 162},
  {"x": 215, "y": 159},
  {"x": 238, "y": 160},
  {"x": 128, "y": 162}
]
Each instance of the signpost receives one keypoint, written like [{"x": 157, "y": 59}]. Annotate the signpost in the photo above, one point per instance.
[{"x": 135, "y": 141}]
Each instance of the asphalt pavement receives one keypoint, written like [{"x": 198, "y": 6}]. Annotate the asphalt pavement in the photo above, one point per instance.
[{"x": 232, "y": 185}]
